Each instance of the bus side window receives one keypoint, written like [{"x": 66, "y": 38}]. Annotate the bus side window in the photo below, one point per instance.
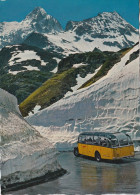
[
  {"x": 83, "y": 139},
  {"x": 80, "y": 139},
  {"x": 89, "y": 139},
  {"x": 94, "y": 141},
  {"x": 103, "y": 141},
  {"x": 97, "y": 140},
  {"x": 108, "y": 143}
]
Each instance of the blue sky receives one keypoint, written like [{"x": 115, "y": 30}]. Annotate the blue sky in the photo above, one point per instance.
[{"x": 65, "y": 10}]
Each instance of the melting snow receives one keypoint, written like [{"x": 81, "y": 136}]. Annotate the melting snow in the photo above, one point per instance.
[
  {"x": 21, "y": 56},
  {"x": 31, "y": 68},
  {"x": 15, "y": 72},
  {"x": 78, "y": 65},
  {"x": 57, "y": 59},
  {"x": 35, "y": 110},
  {"x": 27, "y": 68},
  {"x": 81, "y": 81},
  {"x": 55, "y": 70}
]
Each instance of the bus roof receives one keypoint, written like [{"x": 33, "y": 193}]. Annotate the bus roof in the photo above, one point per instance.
[{"x": 104, "y": 134}]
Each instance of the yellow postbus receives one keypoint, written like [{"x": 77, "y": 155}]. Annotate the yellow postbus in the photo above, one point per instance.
[{"x": 104, "y": 145}]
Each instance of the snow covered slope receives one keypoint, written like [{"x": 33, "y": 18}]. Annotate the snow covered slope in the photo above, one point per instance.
[
  {"x": 25, "y": 153},
  {"x": 112, "y": 103},
  {"x": 36, "y": 21},
  {"x": 108, "y": 31}
]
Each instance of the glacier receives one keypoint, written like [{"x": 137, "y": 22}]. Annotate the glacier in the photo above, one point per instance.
[
  {"x": 112, "y": 103},
  {"x": 25, "y": 154}
]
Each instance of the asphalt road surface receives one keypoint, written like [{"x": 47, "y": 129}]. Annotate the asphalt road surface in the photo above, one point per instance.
[{"x": 86, "y": 176}]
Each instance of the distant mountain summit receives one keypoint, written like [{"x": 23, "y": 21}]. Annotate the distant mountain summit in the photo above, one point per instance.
[
  {"x": 42, "y": 22},
  {"x": 108, "y": 26},
  {"x": 36, "y": 13},
  {"x": 107, "y": 31},
  {"x": 36, "y": 21}
]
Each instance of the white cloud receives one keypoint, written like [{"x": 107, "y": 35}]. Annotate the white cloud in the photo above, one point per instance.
[{"x": 2, "y": 0}]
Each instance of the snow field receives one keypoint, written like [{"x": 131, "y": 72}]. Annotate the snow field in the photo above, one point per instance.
[{"x": 21, "y": 56}]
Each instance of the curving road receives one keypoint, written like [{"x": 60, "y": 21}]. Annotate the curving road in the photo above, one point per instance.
[{"x": 86, "y": 176}]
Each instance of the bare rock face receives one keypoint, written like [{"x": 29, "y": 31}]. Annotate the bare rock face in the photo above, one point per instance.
[{"x": 26, "y": 155}]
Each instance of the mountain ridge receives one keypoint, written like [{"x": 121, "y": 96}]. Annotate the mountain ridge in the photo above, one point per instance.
[{"x": 98, "y": 28}]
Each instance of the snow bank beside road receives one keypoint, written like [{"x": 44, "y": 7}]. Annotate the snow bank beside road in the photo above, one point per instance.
[
  {"x": 26, "y": 155},
  {"x": 63, "y": 140}
]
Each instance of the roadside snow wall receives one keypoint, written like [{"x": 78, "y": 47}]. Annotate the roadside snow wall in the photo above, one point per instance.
[{"x": 25, "y": 154}]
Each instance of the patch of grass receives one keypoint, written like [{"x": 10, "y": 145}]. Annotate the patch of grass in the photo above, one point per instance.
[
  {"x": 50, "y": 91},
  {"x": 124, "y": 51}
]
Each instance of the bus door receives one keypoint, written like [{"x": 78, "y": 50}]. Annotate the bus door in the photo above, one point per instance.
[
  {"x": 103, "y": 147},
  {"x": 82, "y": 146},
  {"x": 90, "y": 146}
]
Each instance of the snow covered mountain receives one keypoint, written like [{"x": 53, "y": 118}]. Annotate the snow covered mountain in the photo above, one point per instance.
[
  {"x": 25, "y": 154},
  {"x": 36, "y": 21},
  {"x": 109, "y": 27},
  {"x": 112, "y": 103},
  {"x": 108, "y": 31}
]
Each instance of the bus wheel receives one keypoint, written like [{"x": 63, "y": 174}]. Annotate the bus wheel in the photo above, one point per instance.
[
  {"x": 76, "y": 152},
  {"x": 97, "y": 156}
]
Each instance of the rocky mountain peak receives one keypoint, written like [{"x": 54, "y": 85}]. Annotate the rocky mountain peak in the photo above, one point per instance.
[
  {"x": 104, "y": 17},
  {"x": 37, "y": 12},
  {"x": 115, "y": 16},
  {"x": 105, "y": 24},
  {"x": 42, "y": 22}
]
